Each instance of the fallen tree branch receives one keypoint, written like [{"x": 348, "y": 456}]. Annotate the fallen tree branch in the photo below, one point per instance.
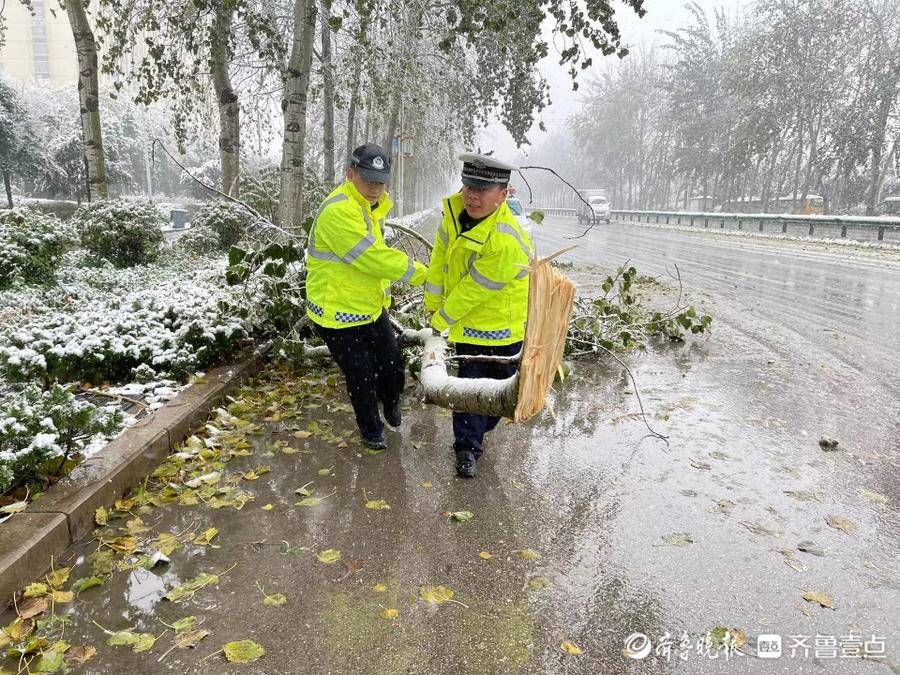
[
  {"x": 483, "y": 358},
  {"x": 483, "y": 396},
  {"x": 411, "y": 233}
]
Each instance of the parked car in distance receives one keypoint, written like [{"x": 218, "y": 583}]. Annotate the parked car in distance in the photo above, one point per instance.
[
  {"x": 518, "y": 210},
  {"x": 596, "y": 210}
]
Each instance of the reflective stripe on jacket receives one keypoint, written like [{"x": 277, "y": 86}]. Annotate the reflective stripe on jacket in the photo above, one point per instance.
[
  {"x": 349, "y": 267},
  {"x": 477, "y": 283}
]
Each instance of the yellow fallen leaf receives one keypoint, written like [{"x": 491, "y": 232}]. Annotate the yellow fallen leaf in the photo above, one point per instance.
[
  {"x": 328, "y": 556},
  {"x": 484, "y": 555},
  {"x": 570, "y": 647},
  {"x": 845, "y": 525},
  {"x": 101, "y": 517},
  {"x": 823, "y": 599},
  {"x": 166, "y": 543},
  {"x": 36, "y": 589},
  {"x": 19, "y": 629},
  {"x": 58, "y": 577},
  {"x": 389, "y": 614},
  {"x": 62, "y": 596},
  {"x": 377, "y": 504},
  {"x": 379, "y": 588},
  {"x": 81, "y": 654},
  {"x": 436, "y": 595},
  {"x": 528, "y": 554},
  {"x": 267, "y": 507},
  {"x": 243, "y": 651},
  {"x": 207, "y": 537},
  {"x": 275, "y": 600},
  {"x": 124, "y": 504},
  {"x": 302, "y": 434}
]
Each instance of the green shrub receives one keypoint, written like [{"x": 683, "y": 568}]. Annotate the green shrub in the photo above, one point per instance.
[
  {"x": 38, "y": 427},
  {"x": 261, "y": 192},
  {"x": 228, "y": 220},
  {"x": 199, "y": 240},
  {"x": 31, "y": 244},
  {"x": 125, "y": 232}
]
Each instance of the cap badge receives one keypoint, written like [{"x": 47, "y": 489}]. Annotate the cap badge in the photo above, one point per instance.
[{"x": 378, "y": 163}]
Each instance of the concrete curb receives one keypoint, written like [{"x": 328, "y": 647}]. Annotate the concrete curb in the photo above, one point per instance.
[{"x": 65, "y": 514}]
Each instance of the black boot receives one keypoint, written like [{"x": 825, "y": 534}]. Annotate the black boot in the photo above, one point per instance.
[
  {"x": 375, "y": 443},
  {"x": 392, "y": 414},
  {"x": 465, "y": 464}
]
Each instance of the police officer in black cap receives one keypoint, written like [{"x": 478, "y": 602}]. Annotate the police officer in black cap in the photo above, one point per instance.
[
  {"x": 477, "y": 287},
  {"x": 349, "y": 274}
]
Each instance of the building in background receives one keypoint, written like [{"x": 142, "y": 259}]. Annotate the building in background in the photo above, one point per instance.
[{"x": 39, "y": 48}]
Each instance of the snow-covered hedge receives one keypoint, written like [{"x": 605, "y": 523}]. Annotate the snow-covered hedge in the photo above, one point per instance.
[
  {"x": 125, "y": 232},
  {"x": 38, "y": 427},
  {"x": 102, "y": 325},
  {"x": 199, "y": 240},
  {"x": 228, "y": 220},
  {"x": 173, "y": 326},
  {"x": 30, "y": 246}
]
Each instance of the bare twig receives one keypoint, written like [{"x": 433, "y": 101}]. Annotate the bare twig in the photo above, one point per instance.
[
  {"x": 412, "y": 233},
  {"x": 574, "y": 189}
]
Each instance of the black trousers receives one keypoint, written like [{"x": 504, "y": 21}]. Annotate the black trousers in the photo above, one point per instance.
[
  {"x": 372, "y": 363},
  {"x": 469, "y": 429}
]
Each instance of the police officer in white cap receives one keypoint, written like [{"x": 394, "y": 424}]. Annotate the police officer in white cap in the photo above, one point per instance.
[{"x": 477, "y": 287}]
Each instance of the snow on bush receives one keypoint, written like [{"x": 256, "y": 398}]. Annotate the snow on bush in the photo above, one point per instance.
[
  {"x": 199, "y": 240},
  {"x": 154, "y": 324},
  {"x": 31, "y": 244},
  {"x": 227, "y": 219},
  {"x": 173, "y": 319},
  {"x": 37, "y": 427},
  {"x": 125, "y": 232}
]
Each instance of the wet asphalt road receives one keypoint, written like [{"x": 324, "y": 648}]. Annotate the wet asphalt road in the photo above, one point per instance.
[{"x": 804, "y": 345}]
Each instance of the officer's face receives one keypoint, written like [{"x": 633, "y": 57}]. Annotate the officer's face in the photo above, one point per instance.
[
  {"x": 482, "y": 202},
  {"x": 369, "y": 189}
]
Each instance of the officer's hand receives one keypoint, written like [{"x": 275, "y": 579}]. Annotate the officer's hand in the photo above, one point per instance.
[
  {"x": 418, "y": 276},
  {"x": 438, "y": 323}
]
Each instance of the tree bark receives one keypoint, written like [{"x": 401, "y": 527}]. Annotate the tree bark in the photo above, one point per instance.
[
  {"x": 89, "y": 97},
  {"x": 875, "y": 174},
  {"x": 328, "y": 100},
  {"x": 294, "y": 106},
  {"x": 8, "y": 185},
  {"x": 229, "y": 105},
  {"x": 497, "y": 398},
  {"x": 392, "y": 126},
  {"x": 351, "y": 118}
]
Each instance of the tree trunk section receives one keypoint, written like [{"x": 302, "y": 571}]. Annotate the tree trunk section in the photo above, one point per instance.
[
  {"x": 8, "y": 186},
  {"x": 351, "y": 119},
  {"x": 392, "y": 126},
  {"x": 229, "y": 106},
  {"x": 294, "y": 106},
  {"x": 89, "y": 97},
  {"x": 328, "y": 101}
]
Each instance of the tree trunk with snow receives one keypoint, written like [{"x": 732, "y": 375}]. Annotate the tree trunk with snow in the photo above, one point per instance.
[
  {"x": 328, "y": 98},
  {"x": 89, "y": 97},
  {"x": 483, "y": 396},
  {"x": 294, "y": 106},
  {"x": 229, "y": 106},
  {"x": 8, "y": 186}
]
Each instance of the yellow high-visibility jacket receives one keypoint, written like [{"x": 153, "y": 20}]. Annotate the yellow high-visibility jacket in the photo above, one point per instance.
[
  {"x": 349, "y": 267},
  {"x": 477, "y": 283}
]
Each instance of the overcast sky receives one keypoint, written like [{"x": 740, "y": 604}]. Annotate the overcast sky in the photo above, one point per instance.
[{"x": 637, "y": 33}]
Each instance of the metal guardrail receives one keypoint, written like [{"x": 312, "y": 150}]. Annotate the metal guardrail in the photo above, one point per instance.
[
  {"x": 552, "y": 211},
  {"x": 762, "y": 222}
]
